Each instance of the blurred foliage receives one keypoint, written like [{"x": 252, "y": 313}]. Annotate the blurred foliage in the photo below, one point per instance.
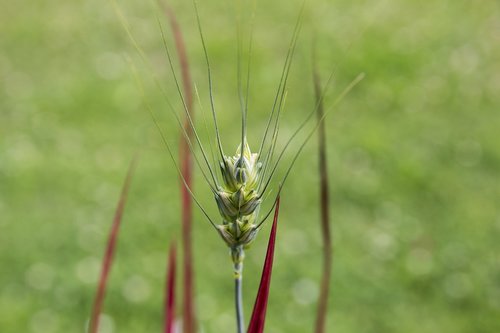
[{"x": 414, "y": 158}]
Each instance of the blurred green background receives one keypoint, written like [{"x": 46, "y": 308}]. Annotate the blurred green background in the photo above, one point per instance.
[{"x": 414, "y": 158}]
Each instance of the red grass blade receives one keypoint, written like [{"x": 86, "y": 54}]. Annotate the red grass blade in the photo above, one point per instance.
[
  {"x": 186, "y": 158},
  {"x": 180, "y": 47},
  {"x": 325, "y": 211},
  {"x": 170, "y": 292},
  {"x": 110, "y": 251},
  {"x": 259, "y": 310}
]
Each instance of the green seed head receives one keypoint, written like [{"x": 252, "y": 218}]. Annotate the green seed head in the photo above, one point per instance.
[{"x": 237, "y": 198}]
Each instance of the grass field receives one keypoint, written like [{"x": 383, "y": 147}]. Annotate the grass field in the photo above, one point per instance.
[{"x": 414, "y": 159}]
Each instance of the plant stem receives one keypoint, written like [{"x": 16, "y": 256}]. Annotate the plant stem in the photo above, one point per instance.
[{"x": 238, "y": 255}]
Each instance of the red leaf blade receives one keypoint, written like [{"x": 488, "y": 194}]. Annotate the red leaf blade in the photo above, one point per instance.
[
  {"x": 170, "y": 292},
  {"x": 258, "y": 318},
  {"x": 325, "y": 210},
  {"x": 186, "y": 161},
  {"x": 110, "y": 250}
]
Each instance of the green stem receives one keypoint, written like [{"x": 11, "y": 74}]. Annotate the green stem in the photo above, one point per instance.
[{"x": 238, "y": 255}]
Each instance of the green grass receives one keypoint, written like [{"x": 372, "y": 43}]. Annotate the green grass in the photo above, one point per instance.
[{"x": 413, "y": 151}]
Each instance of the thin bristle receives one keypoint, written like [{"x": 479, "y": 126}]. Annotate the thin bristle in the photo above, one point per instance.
[
  {"x": 258, "y": 318},
  {"x": 281, "y": 86},
  {"x": 110, "y": 250},
  {"x": 158, "y": 84},
  {"x": 210, "y": 81},
  {"x": 188, "y": 129},
  {"x": 341, "y": 96},
  {"x": 140, "y": 86},
  {"x": 249, "y": 65},
  {"x": 207, "y": 133}
]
